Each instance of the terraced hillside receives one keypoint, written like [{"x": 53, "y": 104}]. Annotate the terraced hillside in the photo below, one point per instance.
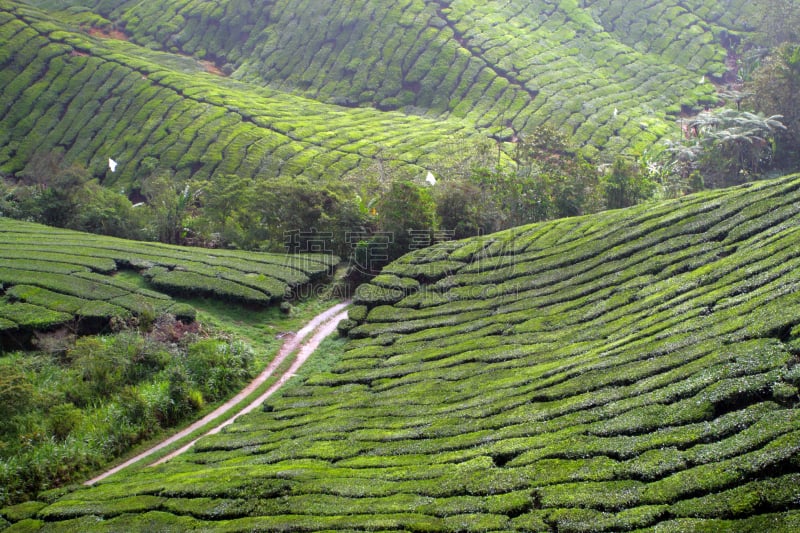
[
  {"x": 405, "y": 76},
  {"x": 52, "y": 277},
  {"x": 93, "y": 99},
  {"x": 495, "y": 63},
  {"x": 632, "y": 370}
]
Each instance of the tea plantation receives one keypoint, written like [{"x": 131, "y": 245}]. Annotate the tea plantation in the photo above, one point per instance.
[
  {"x": 494, "y": 63},
  {"x": 319, "y": 89},
  {"x": 93, "y": 99},
  {"x": 53, "y": 277},
  {"x": 634, "y": 370}
]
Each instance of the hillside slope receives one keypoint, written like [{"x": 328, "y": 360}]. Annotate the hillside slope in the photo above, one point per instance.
[
  {"x": 91, "y": 99},
  {"x": 319, "y": 89},
  {"x": 495, "y": 63},
  {"x": 636, "y": 369},
  {"x": 51, "y": 277}
]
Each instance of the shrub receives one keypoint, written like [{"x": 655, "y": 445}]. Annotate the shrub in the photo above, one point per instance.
[
  {"x": 32, "y": 316},
  {"x": 63, "y": 419},
  {"x": 357, "y": 313},
  {"x": 218, "y": 367}
]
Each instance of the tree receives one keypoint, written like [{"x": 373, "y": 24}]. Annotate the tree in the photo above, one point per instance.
[
  {"x": 369, "y": 185},
  {"x": 726, "y": 147},
  {"x": 675, "y": 168},
  {"x": 54, "y": 189},
  {"x": 407, "y": 211},
  {"x": 300, "y": 215},
  {"x": 464, "y": 208},
  {"x": 169, "y": 204},
  {"x": 780, "y": 22},
  {"x": 106, "y": 212},
  {"x": 624, "y": 185},
  {"x": 775, "y": 88},
  {"x": 224, "y": 199},
  {"x": 9, "y": 205},
  {"x": 735, "y": 144},
  {"x": 551, "y": 180},
  {"x": 223, "y": 195},
  {"x": 53, "y": 192}
]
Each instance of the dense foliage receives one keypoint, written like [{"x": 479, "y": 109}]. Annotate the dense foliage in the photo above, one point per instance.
[
  {"x": 72, "y": 403},
  {"x": 501, "y": 68},
  {"x": 633, "y": 370},
  {"x": 91, "y": 99},
  {"x": 474, "y": 194},
  {"x": 775, "y": 90},
  {"x": 75, "y": 404}
]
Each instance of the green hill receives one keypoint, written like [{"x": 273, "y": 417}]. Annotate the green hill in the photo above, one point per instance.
[
  {"x": 632, "y": 370},
  {"x": 53, "y": 277},
  {"x": 304, "y": 88},
  {"x": 495, "y": 63},
  {"x": 94, "y": 99}
]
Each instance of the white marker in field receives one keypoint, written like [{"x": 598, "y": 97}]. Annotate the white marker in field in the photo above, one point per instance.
[
  {"x": 112, "y": 164},
  {"x": 430, "y": 178}
]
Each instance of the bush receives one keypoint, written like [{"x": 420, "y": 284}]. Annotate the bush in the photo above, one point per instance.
[
  {"x": 345, "y": 326},
  {"x": 357, "y": 313},
  {"x": 62, "y": 419},
  {"x": 218, "y": 367},
  {"x": 32, "y": 316}
]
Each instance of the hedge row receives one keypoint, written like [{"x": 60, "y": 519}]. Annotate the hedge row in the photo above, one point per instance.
[{"x": 493, "y": 67}]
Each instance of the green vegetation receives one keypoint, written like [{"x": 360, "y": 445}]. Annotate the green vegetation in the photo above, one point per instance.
[
  {"x": 51, "y": 277},
  {"x": 632, "y": 370},
  {"x": 637, "y": 369},
  {"x": 501, "y": 66},
  {"x": 346, "y": 84},
  {"x": 773, "y": 90},
  {"x": 97, "y": 99},
  {"x": 331, "y": 120},
  {"x": 73, "y": 403}
]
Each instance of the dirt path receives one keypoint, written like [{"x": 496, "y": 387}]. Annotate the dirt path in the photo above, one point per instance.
[{"x": 321, "y": 325}]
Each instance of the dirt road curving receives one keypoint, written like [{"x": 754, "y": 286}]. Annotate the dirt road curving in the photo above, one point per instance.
[{"x": 321, "y": 326}]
